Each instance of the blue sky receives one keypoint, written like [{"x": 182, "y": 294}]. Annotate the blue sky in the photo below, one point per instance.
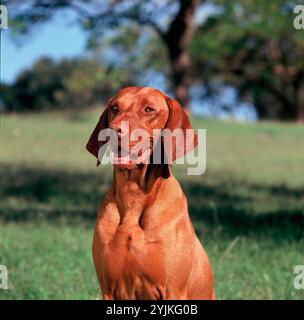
[{"x": 57, "y": 39}]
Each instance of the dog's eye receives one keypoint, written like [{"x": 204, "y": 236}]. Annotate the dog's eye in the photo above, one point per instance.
[
  {"x": 114, "y": 108},
  {"x": 148, "y": 109}
]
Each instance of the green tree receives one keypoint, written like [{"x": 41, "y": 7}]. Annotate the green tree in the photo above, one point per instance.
[
  {"x": 172, "y": 21},
  {"x": 35, "y": 88},
  {"x": 69, "y": 83},
  {"x": 253, "y": 46}
]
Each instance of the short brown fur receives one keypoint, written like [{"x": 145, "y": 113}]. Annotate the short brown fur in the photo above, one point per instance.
[{"x": 144, "y": 244}]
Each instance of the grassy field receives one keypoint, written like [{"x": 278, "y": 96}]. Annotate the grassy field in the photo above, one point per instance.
[{"x": 248, "y": 208}]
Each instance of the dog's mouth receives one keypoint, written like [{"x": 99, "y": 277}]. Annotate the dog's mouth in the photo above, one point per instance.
[{"x": 132, "y": 158}]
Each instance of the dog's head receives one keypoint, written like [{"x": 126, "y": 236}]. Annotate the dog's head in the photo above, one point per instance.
[{"x": 138, "y": 117}]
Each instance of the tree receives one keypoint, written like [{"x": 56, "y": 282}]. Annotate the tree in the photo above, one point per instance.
[
  {"x": 253, "y": 46},
  {"x": 173, "y": 21},
  {"x": 69, "y": 83}
]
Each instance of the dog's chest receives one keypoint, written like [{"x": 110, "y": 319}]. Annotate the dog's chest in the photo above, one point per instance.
[
  {"x": 131, "y": 247},
  {"x": 131, "y": 264}
]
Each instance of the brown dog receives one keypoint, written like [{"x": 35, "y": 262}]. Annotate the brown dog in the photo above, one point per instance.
[{"x": 144, "y": 243}]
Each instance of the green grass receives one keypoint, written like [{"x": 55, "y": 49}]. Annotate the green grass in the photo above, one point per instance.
[{"x": 248, "y": 208}]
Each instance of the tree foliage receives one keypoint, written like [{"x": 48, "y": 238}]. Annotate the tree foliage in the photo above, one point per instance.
[
  {"x": 253, "y": 46},
  {"x": 172, "y": 21},
  {"x": 70, "y": 83},
  {"x": 250, "y": 45}
]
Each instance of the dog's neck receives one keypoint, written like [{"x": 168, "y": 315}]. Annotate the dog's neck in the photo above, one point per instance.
[
  {"x": 132, "y": 188},
  {"x": 144, "y": 176}
]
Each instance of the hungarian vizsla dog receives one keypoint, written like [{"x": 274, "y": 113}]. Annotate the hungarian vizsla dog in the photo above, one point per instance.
[{"x": 144, "y": 243}]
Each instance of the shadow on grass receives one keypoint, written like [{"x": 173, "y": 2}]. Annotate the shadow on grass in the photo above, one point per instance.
[
  {"x": 32, "y": 195},
  {"x": 247, "y": 209}
]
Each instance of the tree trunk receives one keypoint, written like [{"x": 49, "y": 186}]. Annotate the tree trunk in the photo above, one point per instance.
[
  {"x": 178, "y": 39},
  {"x": 299, "y": 97},
  {"x": 300, "y": 115},
  {"x": 276, "y": 104},
  {"x": 180, "y": 68},
  {"x": 293, "y": 111}
]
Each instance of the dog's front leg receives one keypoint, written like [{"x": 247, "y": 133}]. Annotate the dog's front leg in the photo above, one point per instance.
[{"x": 107, "y": 296}]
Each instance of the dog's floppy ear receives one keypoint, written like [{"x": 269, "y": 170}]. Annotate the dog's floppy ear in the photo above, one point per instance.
[
  {"x": 187, "y": 140},
  {"x": 93, "y": 144}
]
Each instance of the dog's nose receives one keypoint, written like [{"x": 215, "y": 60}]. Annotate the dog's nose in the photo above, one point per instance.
[{"x": 121, "y": 131}]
